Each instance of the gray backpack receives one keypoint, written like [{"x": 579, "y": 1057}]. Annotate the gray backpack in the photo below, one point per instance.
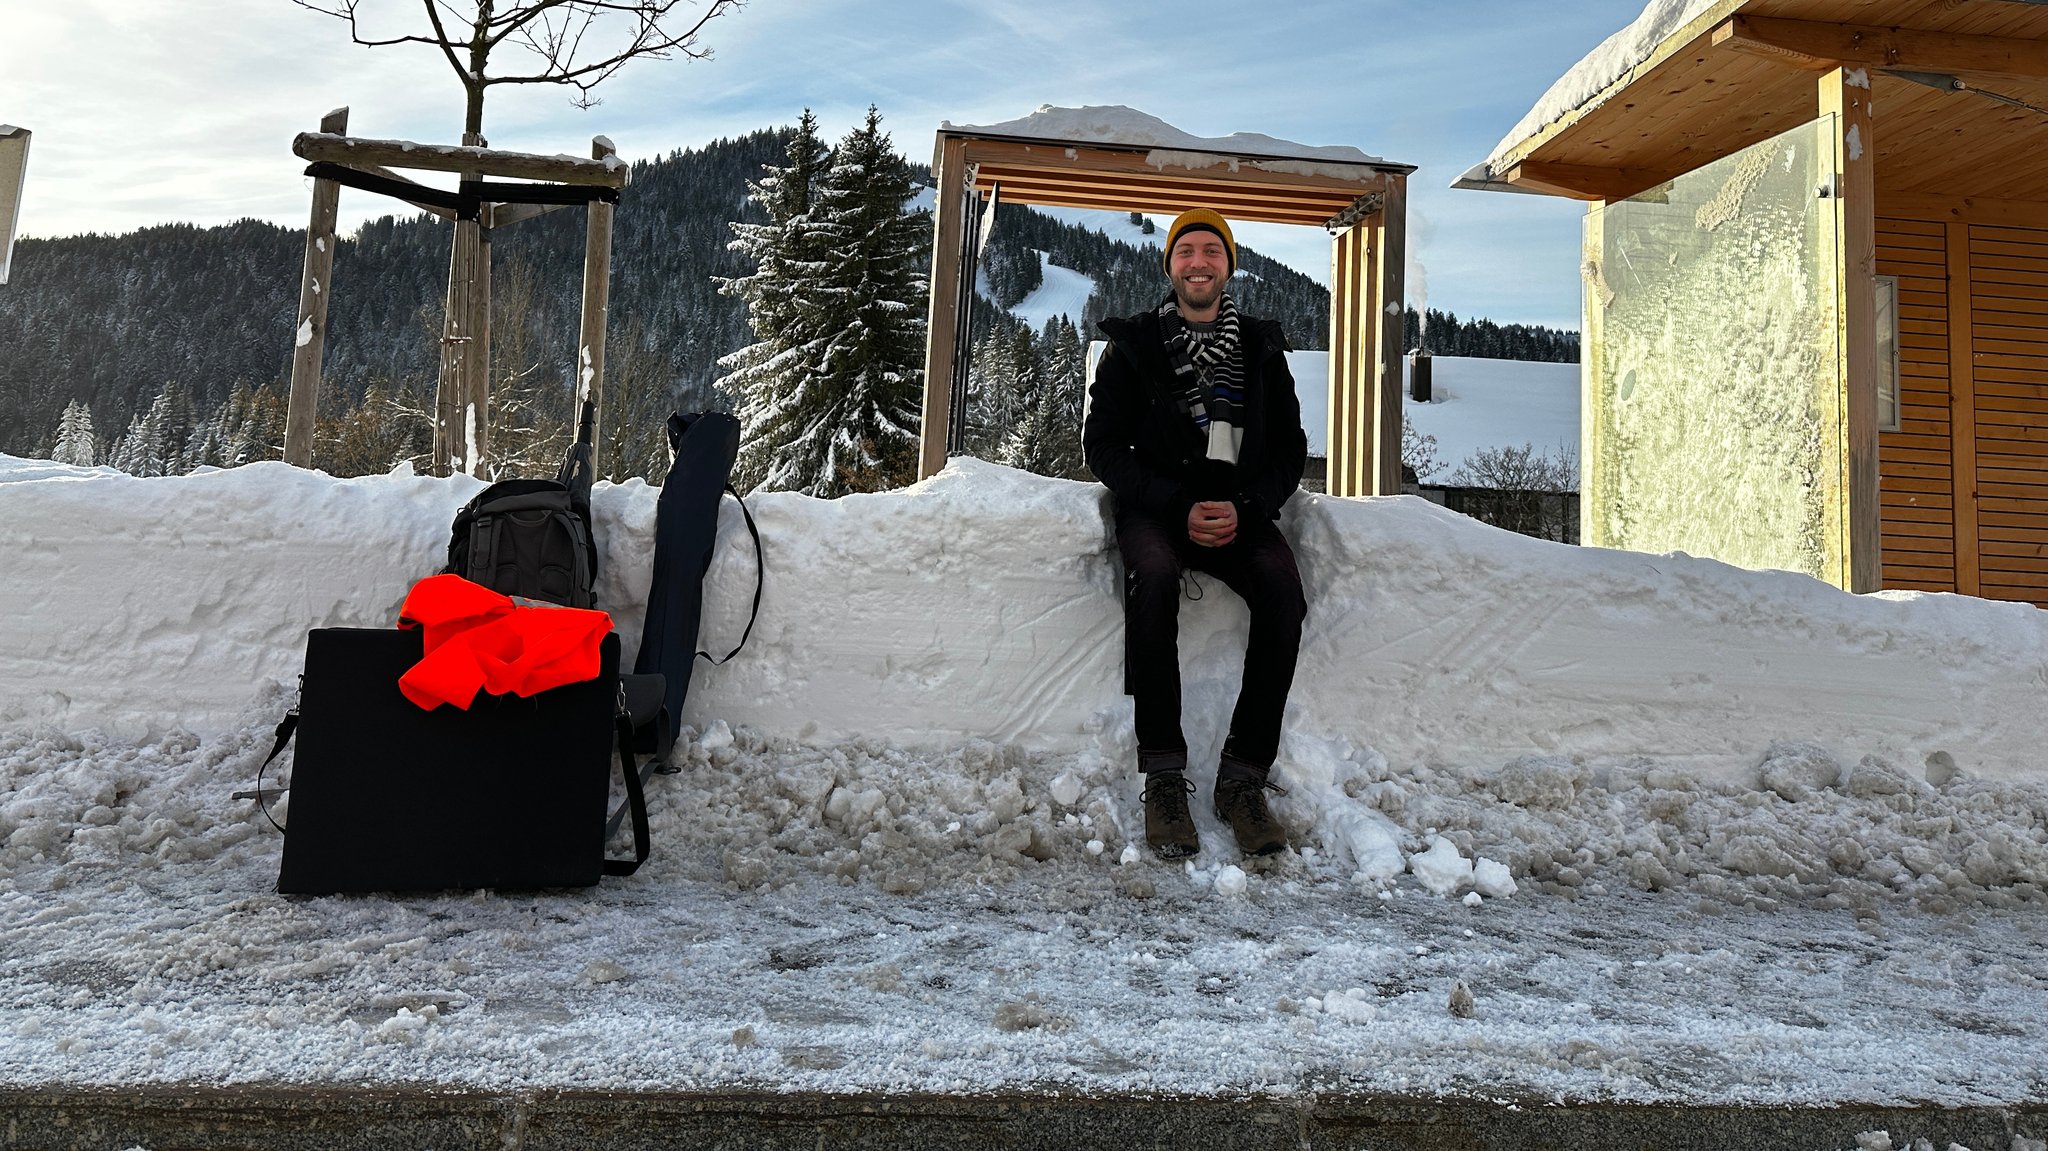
[{"x": 532, "y": 538}]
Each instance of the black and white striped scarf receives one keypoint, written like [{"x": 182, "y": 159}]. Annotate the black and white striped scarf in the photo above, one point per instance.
[{"x": 1208, "y": 374}]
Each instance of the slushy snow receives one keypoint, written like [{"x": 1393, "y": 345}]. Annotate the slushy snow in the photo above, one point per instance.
[{"x": 1680, "y": 831}]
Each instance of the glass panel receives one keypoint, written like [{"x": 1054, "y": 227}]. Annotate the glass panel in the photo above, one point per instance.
[
  {"x": 1713, "y": 414},
  {"x": 1887, "y": 353}
]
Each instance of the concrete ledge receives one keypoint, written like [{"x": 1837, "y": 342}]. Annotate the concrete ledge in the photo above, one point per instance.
[{"x": 318, "y": 1119}]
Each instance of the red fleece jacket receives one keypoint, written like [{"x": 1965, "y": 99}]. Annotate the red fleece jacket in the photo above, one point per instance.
[{"x": 477, "y": 640}]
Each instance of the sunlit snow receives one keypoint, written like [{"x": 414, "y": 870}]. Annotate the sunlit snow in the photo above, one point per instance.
[{"x": 1679, "y": 831}]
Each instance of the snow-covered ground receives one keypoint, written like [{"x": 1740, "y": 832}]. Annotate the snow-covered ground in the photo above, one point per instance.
[
  {"x": 1480, "y": 403},
  {"x": 1062, "y": 292},
  {"x": 1683, "y": 832}
]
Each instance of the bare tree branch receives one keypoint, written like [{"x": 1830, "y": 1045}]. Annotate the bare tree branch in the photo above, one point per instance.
[{"x": 560, "y": 33}]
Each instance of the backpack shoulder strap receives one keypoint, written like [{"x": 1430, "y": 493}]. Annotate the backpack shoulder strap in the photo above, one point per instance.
[
  {"x": 636, "y": 796},
  {"x": 760, "y": 572}
]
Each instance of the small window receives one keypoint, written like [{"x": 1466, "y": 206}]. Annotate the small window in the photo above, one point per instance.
[{"x": 1887, "y": 353}]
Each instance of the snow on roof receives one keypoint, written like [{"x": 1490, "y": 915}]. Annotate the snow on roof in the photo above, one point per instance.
[
  {"x": 1121, "y": 126},
  {"x": 1600, "y": 68}
]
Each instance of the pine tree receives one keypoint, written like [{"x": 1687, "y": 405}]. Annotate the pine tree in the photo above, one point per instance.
[
  {"x": 74, "y": 436},
  {"x": 154, "y": 443},
  {"x": 1044, "y": 429},
  {"x": 762, "y": 377},
  {"x": 830, "y": 397},
  {"x": 1066, "y": 372},
  {"x": 1025, "y": 384},
  {"x": 991, "y": 396}
]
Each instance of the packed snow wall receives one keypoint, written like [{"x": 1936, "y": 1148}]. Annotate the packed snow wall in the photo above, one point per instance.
[{"x": 981, "y": 604}]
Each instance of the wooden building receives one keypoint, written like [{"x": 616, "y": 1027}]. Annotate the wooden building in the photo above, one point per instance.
[
  {"x": 1816, "y": 276},
  {"x": 1119, "y": 159}
]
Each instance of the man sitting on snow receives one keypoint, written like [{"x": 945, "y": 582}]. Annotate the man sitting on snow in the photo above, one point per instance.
[{"x": 1194, "y": 428}]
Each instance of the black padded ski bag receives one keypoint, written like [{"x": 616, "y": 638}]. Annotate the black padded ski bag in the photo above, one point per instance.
[
  {"x": 532, "y": 538},
  {"x": 704, "y": 444}
]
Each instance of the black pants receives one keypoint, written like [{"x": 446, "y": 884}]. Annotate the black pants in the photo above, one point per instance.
[{"x": 1257, "y": 565}]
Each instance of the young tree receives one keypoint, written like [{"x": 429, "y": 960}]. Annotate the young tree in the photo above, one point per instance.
[
  {"x": 1522, "y": 469},
  {"x": 563, "y": 41},
  {"x": 1419, "y": 451},
  {"x": 74, "y": 436}
]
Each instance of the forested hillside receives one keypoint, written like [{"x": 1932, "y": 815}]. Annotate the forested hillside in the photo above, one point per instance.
[{"x": 182, "y": 325}]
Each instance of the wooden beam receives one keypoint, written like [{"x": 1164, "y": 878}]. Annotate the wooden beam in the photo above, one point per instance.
[
  {"x": 477, "y": 160},
  {"x": 1121, "y": 173},
  {"x": 1966, "y": 209},
  {"x": 1582, "y": 182},
  {"x": 1845, "y": 94},
  {"x": 302, "y": 407},
  {"x": 1112, "y": 193},
  {"x": 1962, "y": 408},
  {"x": 949, "y": 237},
  {"x": 430, "y": 209},
  {"x": 1390, "y": 307},
  {"x": 510, "y": 214},
  {"x": 1816, "y": 44}
]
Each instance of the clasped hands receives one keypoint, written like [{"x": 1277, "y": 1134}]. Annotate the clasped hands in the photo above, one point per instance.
[{"x": 1212, "y": 523}]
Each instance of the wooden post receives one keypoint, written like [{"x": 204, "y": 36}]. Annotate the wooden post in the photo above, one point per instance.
[
  {"x": 1592, "y": 412},
  {"x": 1350, "y": 308},
  {"x": 1845, "y": 93},
  {"x": 455, "y": 420},
  {"x": 597, "y": 277},
  {"x": 302, "y": 409},
  {"x": 1390, "y": 302},
  {"x": 948, "y": 242},
  {"x": 1962, "y": 409},
  {"x": 478, "y": 384}
]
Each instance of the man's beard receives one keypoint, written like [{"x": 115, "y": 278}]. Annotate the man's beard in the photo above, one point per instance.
[{"x": 1197, "y": 299}]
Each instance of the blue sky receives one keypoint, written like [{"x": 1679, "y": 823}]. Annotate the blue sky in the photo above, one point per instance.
[{"x": 148, "y": 111}]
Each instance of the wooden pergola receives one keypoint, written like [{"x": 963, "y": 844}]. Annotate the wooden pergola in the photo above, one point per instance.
[
  {"x": 544, "y": 184},
  {"x": 1939, "y": 111},
  {"x": 1363, "y": 205}
]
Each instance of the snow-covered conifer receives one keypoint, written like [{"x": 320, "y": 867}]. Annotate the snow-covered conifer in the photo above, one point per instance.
[
  {"x": 762, "y": 377},
  {"x": 829, "y": 397},
  {"x": 74, "y": 436}
]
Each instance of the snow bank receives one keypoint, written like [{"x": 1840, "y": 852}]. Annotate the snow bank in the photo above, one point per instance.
[
  {"x": 1791, "y": 826},
  {"x": 981, "y": 605}
]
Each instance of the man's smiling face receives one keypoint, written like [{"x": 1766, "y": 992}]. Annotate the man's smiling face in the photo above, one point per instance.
[{"x": 1198, "y": 266}]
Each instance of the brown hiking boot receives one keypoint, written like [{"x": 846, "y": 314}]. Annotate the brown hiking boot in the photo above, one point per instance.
[
  {"x": 1241, "y": 802},
  {"x": 1169, "y": 827}
]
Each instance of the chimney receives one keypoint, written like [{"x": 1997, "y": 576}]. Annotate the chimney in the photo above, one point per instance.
[{"x": 1418, "y": 377}]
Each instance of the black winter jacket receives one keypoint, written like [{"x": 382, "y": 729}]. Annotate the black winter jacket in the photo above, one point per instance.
[{"x": 1153, "y": 458}]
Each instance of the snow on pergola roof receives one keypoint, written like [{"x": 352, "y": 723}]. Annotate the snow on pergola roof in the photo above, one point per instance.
[
  {"x": 1118, "y": 126},
  {"x": 1118, "y": 157}
]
